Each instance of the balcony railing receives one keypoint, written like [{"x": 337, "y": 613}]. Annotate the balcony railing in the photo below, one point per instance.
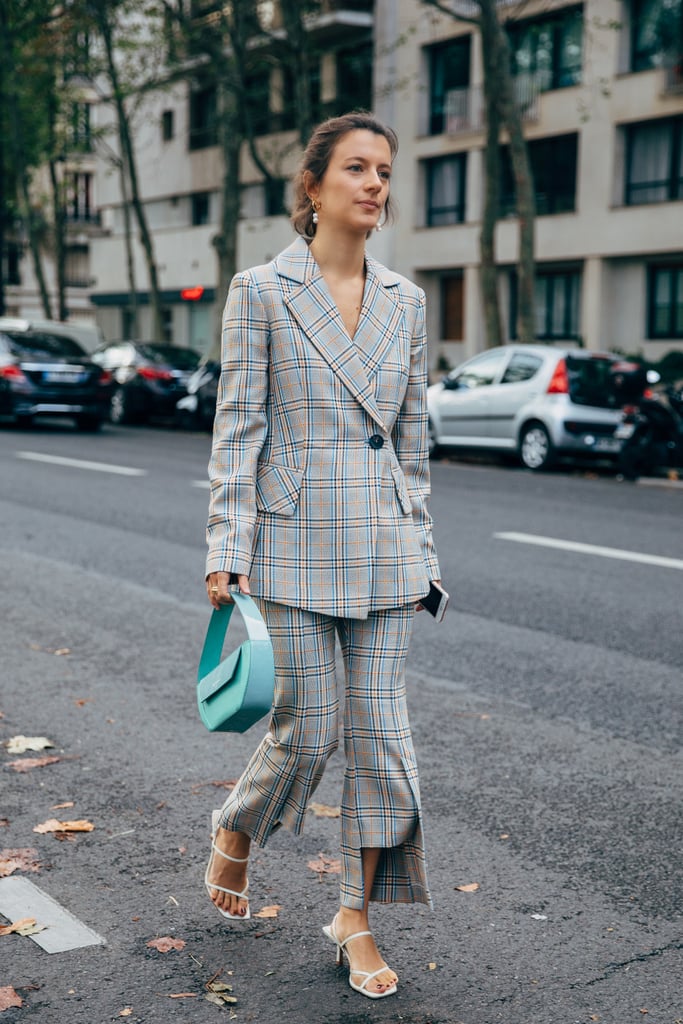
[
  {"x": 673, "y": 78},
  {"x": 464, "y": 108}
]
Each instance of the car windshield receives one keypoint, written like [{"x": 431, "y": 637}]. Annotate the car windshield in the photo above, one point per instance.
[
  {"x": 589, "y": 380},
  {"x": 170, "y": 355},
  {"x": 38, "y": 343}
]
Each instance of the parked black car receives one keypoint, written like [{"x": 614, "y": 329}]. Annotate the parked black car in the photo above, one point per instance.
[
  {"x": 43, "y": 374},
  {"x": 149, "y": 377},
  {"x": 196, "y": 411}
]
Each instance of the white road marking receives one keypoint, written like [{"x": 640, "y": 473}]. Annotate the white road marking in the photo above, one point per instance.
[
  {"x": 19, "y": 897},
  {"x": 592, "y": 549},
  {"x": 201, "y": 483},
  {"x": 98, "y": 467}
]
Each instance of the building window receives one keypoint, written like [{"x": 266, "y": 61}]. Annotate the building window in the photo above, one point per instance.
[
  {"x": 548, "y": 50},
  {"x": 203, "y": 131},
  {"x": 76, "y": 59},
  {"x": 10, "y": 261},
  {"x": 77, "y": 267},
  {"x": 654, "y": 161},
  {"x": 200, "y": 208},
  {"x": 80, "y": 135},
  {"x": 449, "y": 75},
  {"x": 557, "y": 295},
  {"x": 446, "y": 184},
  {"x": 656, "y": 32},
  {"x": 665, "y": 301},
  {"x": 167, "y": 126},
  {"x": 452, "y": 307},
  {"x": 354, "y": 78},
  {"x": 79, "y": 197},
  {"x": 553, "y": 166}
]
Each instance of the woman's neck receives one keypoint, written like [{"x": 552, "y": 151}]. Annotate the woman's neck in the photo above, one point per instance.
[{"x": 339, "y": 257}]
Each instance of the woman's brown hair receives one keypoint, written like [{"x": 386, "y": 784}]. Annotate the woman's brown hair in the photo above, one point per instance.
[{"x": 317, "y": 156}]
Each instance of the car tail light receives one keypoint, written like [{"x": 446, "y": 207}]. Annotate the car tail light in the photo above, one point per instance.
[
  {"x": 151, "y": 373},
  {"x": 559, "y": 383},
  {"x": 104, "y": 378},
  {"x": 13, "y": 372}
]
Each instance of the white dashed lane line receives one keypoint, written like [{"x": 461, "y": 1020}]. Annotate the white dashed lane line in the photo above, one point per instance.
[
  {"x": 98, "y": 467},
  {"x": 592, "y": 549}
]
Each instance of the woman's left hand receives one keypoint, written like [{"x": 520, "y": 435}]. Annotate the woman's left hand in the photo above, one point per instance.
[{"x": 218, "y": 587}]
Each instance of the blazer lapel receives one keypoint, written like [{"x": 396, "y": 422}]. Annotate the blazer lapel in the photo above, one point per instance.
[
  {"x": 380, "y": 318},
  {"x": 312, "y": 306}
]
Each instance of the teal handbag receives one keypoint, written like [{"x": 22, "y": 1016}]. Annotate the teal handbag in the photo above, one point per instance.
[{"x": 235, "y": 693}]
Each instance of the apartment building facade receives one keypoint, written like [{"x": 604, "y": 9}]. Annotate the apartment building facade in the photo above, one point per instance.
[{"x": 603, "y": 113}]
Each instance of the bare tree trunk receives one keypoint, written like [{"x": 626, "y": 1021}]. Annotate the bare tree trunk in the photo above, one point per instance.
[
  {"x": 128, "y": 155},
  {"x": 130, "y": 259},
  {"x": 298, "y": 44},
  {"x": 489, "y": 272},
  {"x": 59, "y": 227},
  {"x": 225, "y": 241}
]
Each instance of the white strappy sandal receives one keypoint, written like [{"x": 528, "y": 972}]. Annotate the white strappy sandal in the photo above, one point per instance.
[
  {"x": 330, "y": 932},
  {"x": 215, "y": 819}
]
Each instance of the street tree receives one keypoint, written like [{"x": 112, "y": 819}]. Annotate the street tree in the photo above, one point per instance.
[{"x": 501, "y": 112}]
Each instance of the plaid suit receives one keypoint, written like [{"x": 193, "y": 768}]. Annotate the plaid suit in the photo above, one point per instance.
[{"x": 319, "y": 482}]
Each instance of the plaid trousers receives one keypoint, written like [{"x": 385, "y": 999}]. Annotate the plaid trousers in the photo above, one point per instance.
[{"x": 380, "y": 804}]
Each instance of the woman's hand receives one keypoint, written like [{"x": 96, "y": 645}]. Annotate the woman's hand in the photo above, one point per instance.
[{"x": 218, "y": 587}]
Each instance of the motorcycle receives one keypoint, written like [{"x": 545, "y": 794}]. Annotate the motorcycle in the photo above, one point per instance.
[{"x": 651, "y": 429}]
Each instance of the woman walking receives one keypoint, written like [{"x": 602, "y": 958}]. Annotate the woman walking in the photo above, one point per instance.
[{"x": 319, "y": 482}]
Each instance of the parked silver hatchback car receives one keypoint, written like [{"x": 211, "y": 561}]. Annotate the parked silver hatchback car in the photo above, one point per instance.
[{"x": 536, "y": 401}]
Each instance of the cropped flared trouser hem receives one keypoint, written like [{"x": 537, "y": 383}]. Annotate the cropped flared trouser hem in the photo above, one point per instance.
[{"x": 380, "y": 804}]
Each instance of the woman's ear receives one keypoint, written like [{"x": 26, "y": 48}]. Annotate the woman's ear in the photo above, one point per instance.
[{"x": 311, "y": 185}]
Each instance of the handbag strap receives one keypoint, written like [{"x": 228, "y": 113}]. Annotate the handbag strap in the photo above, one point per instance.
[{"x": 218, "y": 627}]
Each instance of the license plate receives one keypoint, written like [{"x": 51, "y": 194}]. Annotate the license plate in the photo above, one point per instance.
[
  {"x": 607, "y": 444},
  {"x": 624, "y": 431},
  {"x": 64, "y": 377}
]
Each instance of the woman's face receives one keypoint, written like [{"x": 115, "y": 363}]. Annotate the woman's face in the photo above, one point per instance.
[{"x": 355, "y": 186}]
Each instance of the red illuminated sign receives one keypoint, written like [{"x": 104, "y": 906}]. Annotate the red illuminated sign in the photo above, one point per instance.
[{"x": 192, "y": 294}]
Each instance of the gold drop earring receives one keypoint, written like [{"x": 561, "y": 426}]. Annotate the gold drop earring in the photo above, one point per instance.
[{"x": 316, "y": 206}]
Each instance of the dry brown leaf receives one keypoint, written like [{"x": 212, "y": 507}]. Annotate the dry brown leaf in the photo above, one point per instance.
[
  {"x": 4, "y": 822},
  {"x": 24, "y": 926},
  {"x": 54, "y": 825},
  {"x": 58, "y": 807},
  {"x": 182, "y": 995},
  {"x": 62, "y": 650},
  {"x": 470, "y": 887},
  {"x": 432, "y": 966},
  {"x": 325, "y": 866},
  {"x": 23, "y": 858},
  {"x": 26, "y": 764},
  {"x": 219, "y": 993},
  {"x": 323, "y": 811},
  {"x": 80, "y": 702},
  {"x": 9, "y": 997},
  {"x": 125, "y": 1012},
  {"x": 165, "y": 944},
  {"x": 20, "y": 744},
  {"x": 271, "y": 911},
  {"x": 595, "y": 1016}
]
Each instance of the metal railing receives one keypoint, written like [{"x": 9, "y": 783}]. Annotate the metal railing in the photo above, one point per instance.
[{"x": 464, "y": 108}]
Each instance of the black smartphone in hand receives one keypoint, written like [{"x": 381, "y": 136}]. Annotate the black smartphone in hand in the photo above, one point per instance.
[{"x": 435, "y": 602}]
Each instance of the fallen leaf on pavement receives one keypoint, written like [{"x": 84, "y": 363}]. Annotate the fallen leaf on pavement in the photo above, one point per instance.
[
  {"x": 24, "y": 926},
  {"x": 504, "y": 835},
  {"x": 54, "y": 825},
  {"x": 269, "y": 911},
  {"x": 471, "y": 887},
  {"x": 62, "y": 650},
  {"x": 219, "y": 993},
  {"x": 82, "y": 701},
  {"x": 26, "y": 764},
  {"x": 4, "y": 822},
  {"x": 432, "y": 966},
  {"x": 59, "y": 807},
  {"x": 182, "y": 995},
  {"x": 20, "y": 744},
  {"x": 325, "y": 866},
  {"x": 22, "y": 859},
  {"x": 323, "y": 811},
  {"x": 9, "y": 997},
  {"x": 125, "y": 1012},
  {"x": 165, "y": 944}
]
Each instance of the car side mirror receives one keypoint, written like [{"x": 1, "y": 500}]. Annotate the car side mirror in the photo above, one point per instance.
[{"x": 451, "y": 383}]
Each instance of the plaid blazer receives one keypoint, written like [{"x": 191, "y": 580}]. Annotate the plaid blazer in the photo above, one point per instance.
[{"x": 319, "y": 467}]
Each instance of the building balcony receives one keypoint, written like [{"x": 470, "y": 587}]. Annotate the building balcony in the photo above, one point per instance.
[
  {"x": 673, "y": 78},
  {"x": 464, "y": 108}
]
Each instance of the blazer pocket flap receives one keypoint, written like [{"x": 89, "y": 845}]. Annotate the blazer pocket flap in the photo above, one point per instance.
[
  {"x": 401, "y": 489},
  {"x": 277, "y": 488}
]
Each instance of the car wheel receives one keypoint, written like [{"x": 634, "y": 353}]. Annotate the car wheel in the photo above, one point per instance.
[
  {"x": 432, "y": 444},
  {"x": 120, "y": 411},
  {"x": 535, "y": 447},
  {"x": 91, "y": 424}
]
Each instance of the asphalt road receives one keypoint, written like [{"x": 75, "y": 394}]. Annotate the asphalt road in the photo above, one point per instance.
[{"x": 547, "y": 718}]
